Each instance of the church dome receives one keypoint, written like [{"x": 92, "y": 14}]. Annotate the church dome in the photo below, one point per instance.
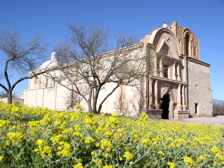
[
  {"x": 51, "y": 63},
  {"x": 164, "y": 25}
]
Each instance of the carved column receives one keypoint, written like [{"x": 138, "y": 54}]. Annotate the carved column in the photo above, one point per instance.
[
  {"x": 174, "y": 71},
  {"x": 183, "y": 98},
  {"x": 169, "y": 72},
  {"x": 155, "y": 65},
  {"x": 186, "y": 97},
  {"x": 171, "y": 109},
  {"x": 178, "y": 71},
  {"x": 151, "y": 106},
  {"x": 156, "y": 94},
  {"x": 147, "y": 91},
  {"x": 161, "y": 67},
  {"x": 179, "y": 97},
  {"x": 184, "y": 77}
]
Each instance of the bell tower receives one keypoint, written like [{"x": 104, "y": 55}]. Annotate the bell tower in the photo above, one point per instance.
[{"x": 189, "y": 44}]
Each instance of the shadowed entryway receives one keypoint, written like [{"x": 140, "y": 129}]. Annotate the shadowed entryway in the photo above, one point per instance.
[{"x": 165, "y": 106}]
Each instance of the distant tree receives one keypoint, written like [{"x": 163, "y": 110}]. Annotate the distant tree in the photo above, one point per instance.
[
  {"x": 5, "y": 95},
  {"x": 17, "y": 58},
  {"x": 218, "y": 109},
  {"x": 89, "y": 69}
]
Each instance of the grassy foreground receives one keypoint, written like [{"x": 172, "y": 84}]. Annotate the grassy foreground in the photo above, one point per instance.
[{"x": 38, "y": 138}]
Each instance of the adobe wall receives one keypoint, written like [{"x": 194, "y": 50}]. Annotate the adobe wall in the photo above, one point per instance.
[
  {"x": 125, "y": 100},
  {"x": 200, "y": 94},
  {"x": 18, "y": 100},
  {"x": 54, "y": 98}
]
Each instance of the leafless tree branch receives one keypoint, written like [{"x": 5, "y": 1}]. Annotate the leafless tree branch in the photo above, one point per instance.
[
  {"x": 18, "y": 57},
  {"x": 88, "y": 67}
]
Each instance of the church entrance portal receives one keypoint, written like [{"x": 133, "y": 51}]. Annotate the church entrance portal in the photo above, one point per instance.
[{"x": 165, "y": 106}]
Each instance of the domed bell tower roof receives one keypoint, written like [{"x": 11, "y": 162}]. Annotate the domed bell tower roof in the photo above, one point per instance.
[{"x": 164, "y": 24}]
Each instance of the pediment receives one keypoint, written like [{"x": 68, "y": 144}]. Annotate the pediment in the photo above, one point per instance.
[{"x": 165, "y": 42}]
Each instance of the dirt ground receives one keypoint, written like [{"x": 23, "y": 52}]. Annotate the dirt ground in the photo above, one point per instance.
[{"x": 216, "y": 121}]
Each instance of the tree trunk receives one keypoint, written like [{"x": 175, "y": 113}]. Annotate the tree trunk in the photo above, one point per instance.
[
  {"x": 94, "y": 104},
  {"x": 89, "y": 106},
  {"x": 9, "y": 100},
  {"x": 99, "y": 108},
  {"x": 95, "y": 100}
]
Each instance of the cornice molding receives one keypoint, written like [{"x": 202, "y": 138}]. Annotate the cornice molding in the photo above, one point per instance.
[{"x": 198, "y": 62}]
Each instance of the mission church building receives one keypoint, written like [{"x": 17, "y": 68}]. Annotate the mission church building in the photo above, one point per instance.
[{"x": 178, "y": 87}]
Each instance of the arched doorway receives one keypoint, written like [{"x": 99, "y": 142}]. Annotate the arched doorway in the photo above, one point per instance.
[{"x": 165, "y": 106}]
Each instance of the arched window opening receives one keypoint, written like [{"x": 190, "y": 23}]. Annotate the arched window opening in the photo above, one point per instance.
[
  {"x": 165, "y": 71},
  {"x": 187, "y": 39}
]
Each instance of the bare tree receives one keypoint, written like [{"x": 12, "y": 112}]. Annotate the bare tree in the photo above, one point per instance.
[
  {"x": 17, "y": 58},
  {"x": 91, "y": 70}
]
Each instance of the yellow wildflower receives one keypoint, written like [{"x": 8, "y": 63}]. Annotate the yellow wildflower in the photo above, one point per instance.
[
  {"x": 215, "y": 149},
  {"x": 89, "y": 122},
  {"x": 98, "y": 162},
  {"x": 146, "y": 142},
  {"x": 128, "y": 156},
  {"x": 143, "y": 117},
  {"x": 108, "y": 133},
  {"x": 89, "y": 140},
  {"x": 115, "y": 115},
  {"x": 77, "y": 127},
  {"x": 78, "y": 134},
  {"x": 93, "y": 153},
  {"x": 4, "y": 123},
  {"x": 78, "y": 106},
  {"x": 201, "y": 158},
  {"x": 172, "y": 165},
  {"x": 1, "y": 157},
  {"x": 106, "y": 143},
  {"x": 220, "y": 156},
  {"x": 161, "y": 153},
  {"x": 188, "y": 160},
  {"x": 107, "y": 155},
  {"x": 97, "y": 144},
  {"x": 41, "y": 142},
  {"x": 15, "y": 137},
  {"x": 57, "y": 138},
  {"x": 108, "y": 166},
  {"x": 46, "y": 151},
  {"x": 79, "y": 165},
  {"x": 15, "y": 109},
  {"x": 64, "y": 149}
]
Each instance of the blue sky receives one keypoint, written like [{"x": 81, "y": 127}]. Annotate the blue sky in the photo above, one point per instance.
[{"x": 49, "y": 18}]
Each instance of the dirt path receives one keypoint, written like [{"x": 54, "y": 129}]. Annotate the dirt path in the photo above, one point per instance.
[{"x": 216, "y": 121}]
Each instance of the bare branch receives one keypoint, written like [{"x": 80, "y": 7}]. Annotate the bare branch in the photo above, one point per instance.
[
  {"x": 18, "y": 57},
  {"x": 89, "y": 67}
]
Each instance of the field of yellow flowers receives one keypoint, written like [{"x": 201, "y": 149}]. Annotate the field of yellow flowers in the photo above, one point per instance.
[{"x": 43, "y": 138}]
